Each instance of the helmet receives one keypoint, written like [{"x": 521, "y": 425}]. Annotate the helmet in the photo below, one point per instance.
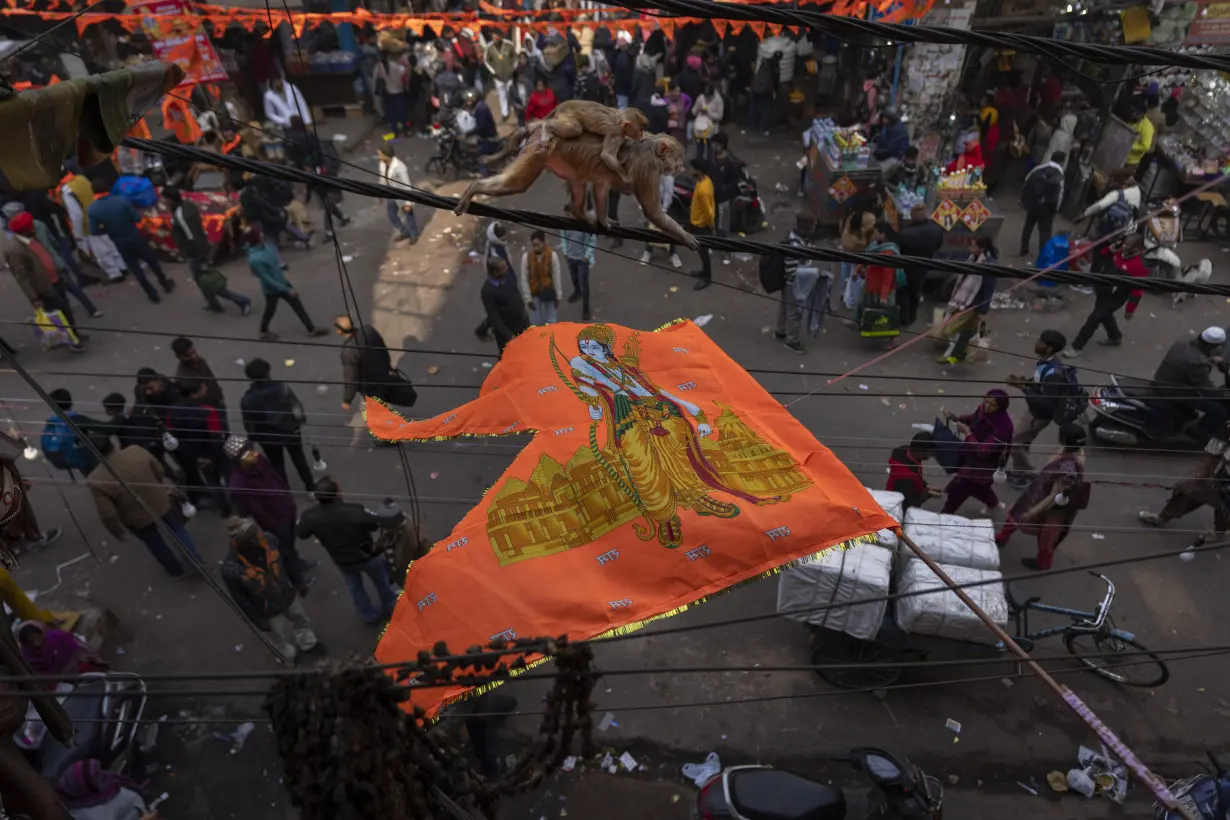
[{"x": 468, "y": 97}]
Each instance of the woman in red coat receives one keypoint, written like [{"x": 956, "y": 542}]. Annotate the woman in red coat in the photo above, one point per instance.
[{"x": 541, "y": 103}]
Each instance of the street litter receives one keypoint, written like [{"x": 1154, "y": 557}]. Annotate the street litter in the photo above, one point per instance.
[
  {"x": 628, "y": 761},
  {"x": 702, "y": 773},
  {"x": 1058, "y": 782},
  {"x": 952, "y": 724},
  {"x": 237, "y": 738},
  {"x": 433, "y": 370},
  {"x": 608, "y": 720},
  {"x": 487, "y": 365},
  {"x": 1029, "y": 789},
  {"x": 289, "y": 362},
  {"x": 1097, "y": 536},
  {"x": 321, "y": 389},
  {"x": 608, "y": 764},
  {"x": 347, "y": 259},
  {"x": 435, "y": 475},
  {"x": 701, "y": 321},
  {"x": 1098, "y": 775},
  {"x": 674, "y": 288},
  {"x": 570, "y": 763}
]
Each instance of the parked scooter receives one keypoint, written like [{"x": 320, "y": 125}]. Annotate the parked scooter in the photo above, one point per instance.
[
  {"x": 106, "y": 710},
  {"x": 1124, "y": 416},
  {"x": 1204, "y": 796},
  {"x": 899, "y": 791}
]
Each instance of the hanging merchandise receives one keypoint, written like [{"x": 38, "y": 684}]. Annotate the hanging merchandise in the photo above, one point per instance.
[{"x": 931, "y": 71}]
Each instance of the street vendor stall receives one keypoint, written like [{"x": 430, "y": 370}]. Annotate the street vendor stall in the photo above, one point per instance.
[
  {"x": 217, "y": 210},
  {"x": 840, "y": 165},
  {"x": 961, "y": 206}
]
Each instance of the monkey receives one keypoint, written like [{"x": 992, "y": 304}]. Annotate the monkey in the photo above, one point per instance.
[
  {"x": 574, "y": 117},
  {"x": 578, "y": 161}
]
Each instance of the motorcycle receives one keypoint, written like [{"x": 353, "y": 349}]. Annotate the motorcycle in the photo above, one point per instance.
[
  {"x": 1204, "y": 796},
  {"x": 106, "y": 710},
  {"x": 1124, "y": 416},
  {"x": 899, "y": 791},
  {"x": 746, "y": 209},
  {"x": 456, "y": 151}
]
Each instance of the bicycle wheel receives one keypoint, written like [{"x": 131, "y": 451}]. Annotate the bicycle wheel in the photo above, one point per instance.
[
  {"x": 1142, "y": 669},
  {"x": 830, "y": 647}
]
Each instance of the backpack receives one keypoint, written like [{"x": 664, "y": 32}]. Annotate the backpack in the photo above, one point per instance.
[
  {"x": 1042, "y": 189},
  {"x": 1072, "y": 399},
  {"x": 290, "y": 417},
  {"x": 62, "y": 447},
  {"x": 1118, "y": 216},
  {"x": 772, "y": 273}
]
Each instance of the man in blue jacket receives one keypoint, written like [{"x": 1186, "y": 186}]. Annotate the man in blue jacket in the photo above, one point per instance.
[
  {"x": 117, "y": 218},
  {"x": 892, "y": 139}
]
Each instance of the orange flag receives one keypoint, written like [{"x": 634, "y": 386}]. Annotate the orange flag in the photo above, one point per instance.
[
  {"x": 660, "y": 473},
  {"x": 720, "y": 27}
]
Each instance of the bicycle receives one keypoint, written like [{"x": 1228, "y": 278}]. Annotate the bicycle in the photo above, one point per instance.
[
  {"x": 1099, "y": 629},
  {"x": 1091, "y": 637}
]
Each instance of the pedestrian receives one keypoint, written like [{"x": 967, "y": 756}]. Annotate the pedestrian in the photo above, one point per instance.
[
  {"x": 305, "y": 151},
  {"x": 392, "y": 81},
  {"x": 91, "y": 792},
  {"x": 139, "y": 503},
  {"x": 702, "y": 219},
  {"x": 789, "y": 308},
  {"x": 760, "y": 102},
  {"x": 923, "y": 238},
  {"x": 666, "y": 196},
  {"x": 263, "y": 262},
  {"x": 1209, "y": 485},
  {"x": 725, "y": 173},
  {"x": 261, "y": 493},
  {"x": 876, "y": 315},
  {"x": 972, "y": 299},
  {"x": 580, "y": 251},
  {"x": 190, "y": 237},
  {"x": 345, "y": 530},
  {"x": 63, "y": 448},
  {"x": 34, "y": 269},
  {"x": 1041, "y": 195},
  {"x": 200, "y": 434},
  {"x": 1124, "y": 259},
  {"x": 905, "y": 471},
  {"x": 500, "y": 58},
  {"x": 1115, "y": 212},
  {"x": 115, "y": 217},
  {"x": 504, "y": 303},
  {"x": 538, "y": 282},
  {"x": 67, "y": 269},
  {"x": 1182, "y": 386},
  {"x": 192, "y": 366},
  {"x": 77, "y": 194},
  {"x": 857, "y": 225},
  {"x": 259, "y": 579},
  {"x": 891, "y": 139},
  {"x": 1048, "y": 507},
  {"x": 541, "y": 103},
  {"x": 986, "y": 437},
  {"x": 284, "y": 100},
  {"x": 401, "y": 214},
  {"x": 1045, "y": 393},
  {"x": 621, "y": 70},
  {"x": 366, "y": 363},
  {"x": 707, "y": 113},
  {"x": 273, "y": 416}
]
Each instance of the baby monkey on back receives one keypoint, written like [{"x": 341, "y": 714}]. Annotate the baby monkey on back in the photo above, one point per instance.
[{"x": 572, "y": 118}]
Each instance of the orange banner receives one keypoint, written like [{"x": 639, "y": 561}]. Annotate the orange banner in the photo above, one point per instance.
[{"x": 660, "y": 473}]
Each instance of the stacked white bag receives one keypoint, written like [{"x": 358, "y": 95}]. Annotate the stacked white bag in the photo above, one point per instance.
[
  {"x": 891, "y": 503},
  {"x": 952, "y": 539},
  {"x": 944, "y": 614},
  {"x": 838, "y": 576}
]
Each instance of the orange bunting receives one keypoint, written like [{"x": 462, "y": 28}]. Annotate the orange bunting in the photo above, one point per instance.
[{"x": 660, "y": 473}]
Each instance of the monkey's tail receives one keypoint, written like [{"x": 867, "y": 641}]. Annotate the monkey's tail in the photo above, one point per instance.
[{"x": 511, "y": 146}]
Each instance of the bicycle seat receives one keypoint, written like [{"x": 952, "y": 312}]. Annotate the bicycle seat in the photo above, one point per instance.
[{"x": 769, "y": 794}]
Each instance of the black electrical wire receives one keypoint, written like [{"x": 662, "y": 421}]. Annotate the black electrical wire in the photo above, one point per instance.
[
  {"x": 164, "y": 530},
  {"x": 724, "y": 244},
  {"x": 40, "y": 38},
  {"x": 856, "y": 28}
]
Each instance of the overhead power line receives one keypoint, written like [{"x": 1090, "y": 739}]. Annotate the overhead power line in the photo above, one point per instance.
[
  {"x": 853, "y": 27},
  {"x": 643, "y": 235}
]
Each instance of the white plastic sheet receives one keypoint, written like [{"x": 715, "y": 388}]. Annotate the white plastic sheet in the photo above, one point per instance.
[
  {"x": 838, "y": 576},
  {"x": 942, "y": 613},
  {"x": 891, "y": 503},
  {"x": 952, "y": 539}
]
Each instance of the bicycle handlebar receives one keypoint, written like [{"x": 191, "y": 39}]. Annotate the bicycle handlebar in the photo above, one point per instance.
[{"x": 1103, "y": 610}]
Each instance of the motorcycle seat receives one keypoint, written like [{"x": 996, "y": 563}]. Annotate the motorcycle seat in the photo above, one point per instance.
[
  {"x": 1136, "y": 396},
  {"x": 769, "y": 794}
]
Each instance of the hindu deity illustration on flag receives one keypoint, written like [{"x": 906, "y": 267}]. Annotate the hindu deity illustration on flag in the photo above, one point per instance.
[{"x": 659, "y": 473}]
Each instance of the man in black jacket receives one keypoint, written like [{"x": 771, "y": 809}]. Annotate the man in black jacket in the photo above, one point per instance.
[
  {"x": 190, "y": 237},
  {"x": 502, "y": 301},
  {"x": 1043, "y": 392},
  {"x": 366, "y": 364},
  {"x": 345, "y": 531},
  {"x": 621, "y": 71},
  {"x": 922, "y": 237},
  {"x": 304, "y": 151},
  {"x": 273, "y": 416}
]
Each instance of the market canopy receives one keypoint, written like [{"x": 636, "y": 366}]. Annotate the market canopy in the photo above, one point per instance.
[{"x": 659, "y": 473}]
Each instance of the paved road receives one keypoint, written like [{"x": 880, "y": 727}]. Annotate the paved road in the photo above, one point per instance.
[{"x": 426, "y": 297}]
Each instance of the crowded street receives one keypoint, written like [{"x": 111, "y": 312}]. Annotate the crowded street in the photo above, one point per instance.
[{"x": 425, "y": 298}]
